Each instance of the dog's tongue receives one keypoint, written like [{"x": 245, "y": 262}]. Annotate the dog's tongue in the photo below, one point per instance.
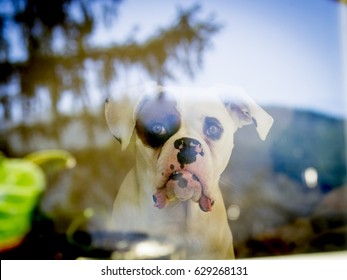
[
  {"x": 183, "y": 186},
  {"x": 205, "y": 203}
]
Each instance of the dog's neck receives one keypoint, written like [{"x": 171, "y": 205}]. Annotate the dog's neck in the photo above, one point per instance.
[{"x": 144, "y": 171}]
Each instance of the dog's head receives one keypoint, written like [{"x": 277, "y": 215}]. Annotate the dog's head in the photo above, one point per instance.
[{"x": 185, "y": 135}]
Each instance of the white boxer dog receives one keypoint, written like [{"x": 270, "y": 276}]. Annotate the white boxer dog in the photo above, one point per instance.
[{"x": 183, "y": 139}]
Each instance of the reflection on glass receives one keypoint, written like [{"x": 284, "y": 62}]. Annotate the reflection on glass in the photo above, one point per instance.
[
  {"x": 60, "y": 59},
  {"x": 311, "y": 177}
]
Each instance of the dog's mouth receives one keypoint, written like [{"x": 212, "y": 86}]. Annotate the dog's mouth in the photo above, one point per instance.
[{"x": 183, "y": 185}]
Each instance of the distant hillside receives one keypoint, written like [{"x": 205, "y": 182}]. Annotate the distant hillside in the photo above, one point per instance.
[
  {"x": 305, "y": 139},
  {"x": 265, "y": 179}
]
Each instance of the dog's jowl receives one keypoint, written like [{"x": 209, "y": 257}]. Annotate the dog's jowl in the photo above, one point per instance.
[{"x": 183, "y": 139}]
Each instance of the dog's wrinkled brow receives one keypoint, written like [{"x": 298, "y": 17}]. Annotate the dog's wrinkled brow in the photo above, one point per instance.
[{"x": 159, "y": 111}]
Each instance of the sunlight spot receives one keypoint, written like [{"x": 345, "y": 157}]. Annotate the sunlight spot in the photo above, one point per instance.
[
  {"x": 311, "y": 177},
  {"x": 233, "y": 212},
  {"x": 152, "y": 249}
]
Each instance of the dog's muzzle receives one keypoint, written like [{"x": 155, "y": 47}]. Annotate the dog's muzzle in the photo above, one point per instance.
[{"x": 182, "y": 181}]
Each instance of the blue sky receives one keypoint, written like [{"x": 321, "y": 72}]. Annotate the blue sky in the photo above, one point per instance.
[{"x": 286, "y": 52}]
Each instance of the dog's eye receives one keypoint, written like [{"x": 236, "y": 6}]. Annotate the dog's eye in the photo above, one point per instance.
[
  {"x": 158, "y": 129},
  {"x": 212, "y": 128}
]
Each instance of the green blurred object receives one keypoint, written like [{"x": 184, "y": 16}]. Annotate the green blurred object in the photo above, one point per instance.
[
  {"x": 52, "y": 161},
  {"x": 22, "y": 181}
]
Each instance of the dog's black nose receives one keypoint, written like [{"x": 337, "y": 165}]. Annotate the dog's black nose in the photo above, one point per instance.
[{"x": 188, "y": 148}]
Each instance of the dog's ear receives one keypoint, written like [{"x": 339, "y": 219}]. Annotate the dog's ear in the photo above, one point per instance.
[
  {"x": 120, "y": 112},
  {"x": 245, "y": 110}
]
